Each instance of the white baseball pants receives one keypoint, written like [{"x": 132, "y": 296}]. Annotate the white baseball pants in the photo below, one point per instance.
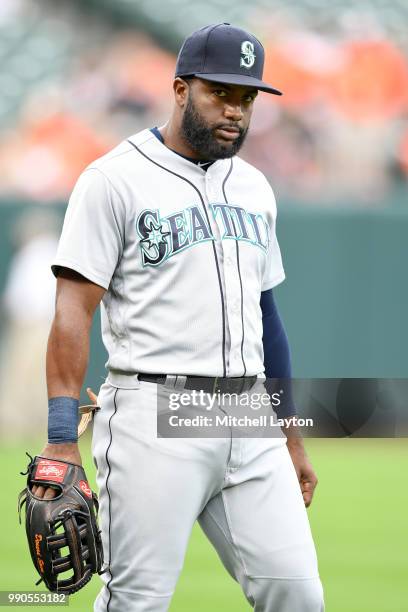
[{"x": 243, "y": 491}]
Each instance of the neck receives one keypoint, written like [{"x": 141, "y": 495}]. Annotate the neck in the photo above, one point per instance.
[{"x": 171, "y": 133}]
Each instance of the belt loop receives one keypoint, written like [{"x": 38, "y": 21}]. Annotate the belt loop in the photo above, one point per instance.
[
  {"x": 180, "y": 383},
  {"x": 170, "y": 381},
  {"x": 175, "y": 382}
]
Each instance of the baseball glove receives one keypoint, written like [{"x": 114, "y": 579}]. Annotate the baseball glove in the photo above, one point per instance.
[{"x": 63, "y": 534}]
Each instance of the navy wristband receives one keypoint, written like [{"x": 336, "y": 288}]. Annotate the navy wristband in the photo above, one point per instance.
[{"x": 62, "y": 420}]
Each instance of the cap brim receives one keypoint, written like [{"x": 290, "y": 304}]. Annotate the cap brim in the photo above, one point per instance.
[{"x": 239, "y": 79}]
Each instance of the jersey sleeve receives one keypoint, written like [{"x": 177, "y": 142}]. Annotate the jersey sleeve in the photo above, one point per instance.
[
  {"x": 91, "y": 242},
  {"x": 274, "y": 272}
]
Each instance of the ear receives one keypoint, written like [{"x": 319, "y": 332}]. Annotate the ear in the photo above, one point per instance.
[{"x": 180, "y": 88}]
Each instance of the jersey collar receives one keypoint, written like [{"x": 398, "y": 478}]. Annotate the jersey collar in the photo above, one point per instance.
[{"x": 151, "y": 146}]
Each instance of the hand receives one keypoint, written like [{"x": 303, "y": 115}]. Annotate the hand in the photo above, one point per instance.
[
  {"x": 304, "y": 470},
  {"x": 65, "y": 452}
]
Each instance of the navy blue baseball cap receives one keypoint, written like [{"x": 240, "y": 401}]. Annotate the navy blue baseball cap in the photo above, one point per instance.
[{"x": 224, "y": 54}]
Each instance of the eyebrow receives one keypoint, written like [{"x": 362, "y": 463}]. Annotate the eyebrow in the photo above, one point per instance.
[{"x": 227, "y": 86}]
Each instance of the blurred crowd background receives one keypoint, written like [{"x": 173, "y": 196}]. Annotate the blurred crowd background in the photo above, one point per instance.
[{"x": 77, "y": 76}]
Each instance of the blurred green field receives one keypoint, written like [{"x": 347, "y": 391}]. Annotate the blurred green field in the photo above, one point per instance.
[{"x": 358, "y": 517}]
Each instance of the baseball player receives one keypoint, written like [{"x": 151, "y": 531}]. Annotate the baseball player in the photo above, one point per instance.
[{"x": 175, "y": 236}]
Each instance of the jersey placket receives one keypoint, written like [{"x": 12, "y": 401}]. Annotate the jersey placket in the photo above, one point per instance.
[
  {"x": 209, "y": 199},
  {"x": 226, "y": 252}
]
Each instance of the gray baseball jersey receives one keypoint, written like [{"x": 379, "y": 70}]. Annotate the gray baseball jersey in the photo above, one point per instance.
[{"x": 183, "y": 254}]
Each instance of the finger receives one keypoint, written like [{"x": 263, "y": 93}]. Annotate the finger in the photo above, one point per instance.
[
  {"x": 308, "y": 494},
  {"x": 39, "y": 492},
  {"x": 307, "y": 498},
  {"x": 308, "y": 488},
  {"x": 308, "y": 485},
  {"x": 92, "y": 396},
  {"x": 50, "y": 493}
]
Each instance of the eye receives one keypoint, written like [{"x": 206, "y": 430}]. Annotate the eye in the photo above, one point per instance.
[
  {"x": 221, "y": 93},
  {"x": 249, "y": 98}
]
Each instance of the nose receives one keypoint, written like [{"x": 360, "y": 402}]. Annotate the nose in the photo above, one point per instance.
[{"x": 233, "y": 111}]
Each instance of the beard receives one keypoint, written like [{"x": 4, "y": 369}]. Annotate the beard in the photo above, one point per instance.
[{"x": 199, "y": 135}]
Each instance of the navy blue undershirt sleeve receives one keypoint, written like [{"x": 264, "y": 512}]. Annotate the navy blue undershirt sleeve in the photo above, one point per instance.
[{"x": 276, "y": 355}]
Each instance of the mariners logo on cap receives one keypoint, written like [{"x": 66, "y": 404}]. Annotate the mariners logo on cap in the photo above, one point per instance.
[{"x": 248, "y": 55}]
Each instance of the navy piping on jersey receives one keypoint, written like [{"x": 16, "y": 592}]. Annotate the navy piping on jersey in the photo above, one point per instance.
[
  {"x": 110, "y": 500},
  {"x": 239, "y": 272},
  {"x": 183, "y": 178}
]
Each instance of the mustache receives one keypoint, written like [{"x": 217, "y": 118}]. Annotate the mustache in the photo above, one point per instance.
[{"x": 234, "y": 126}]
